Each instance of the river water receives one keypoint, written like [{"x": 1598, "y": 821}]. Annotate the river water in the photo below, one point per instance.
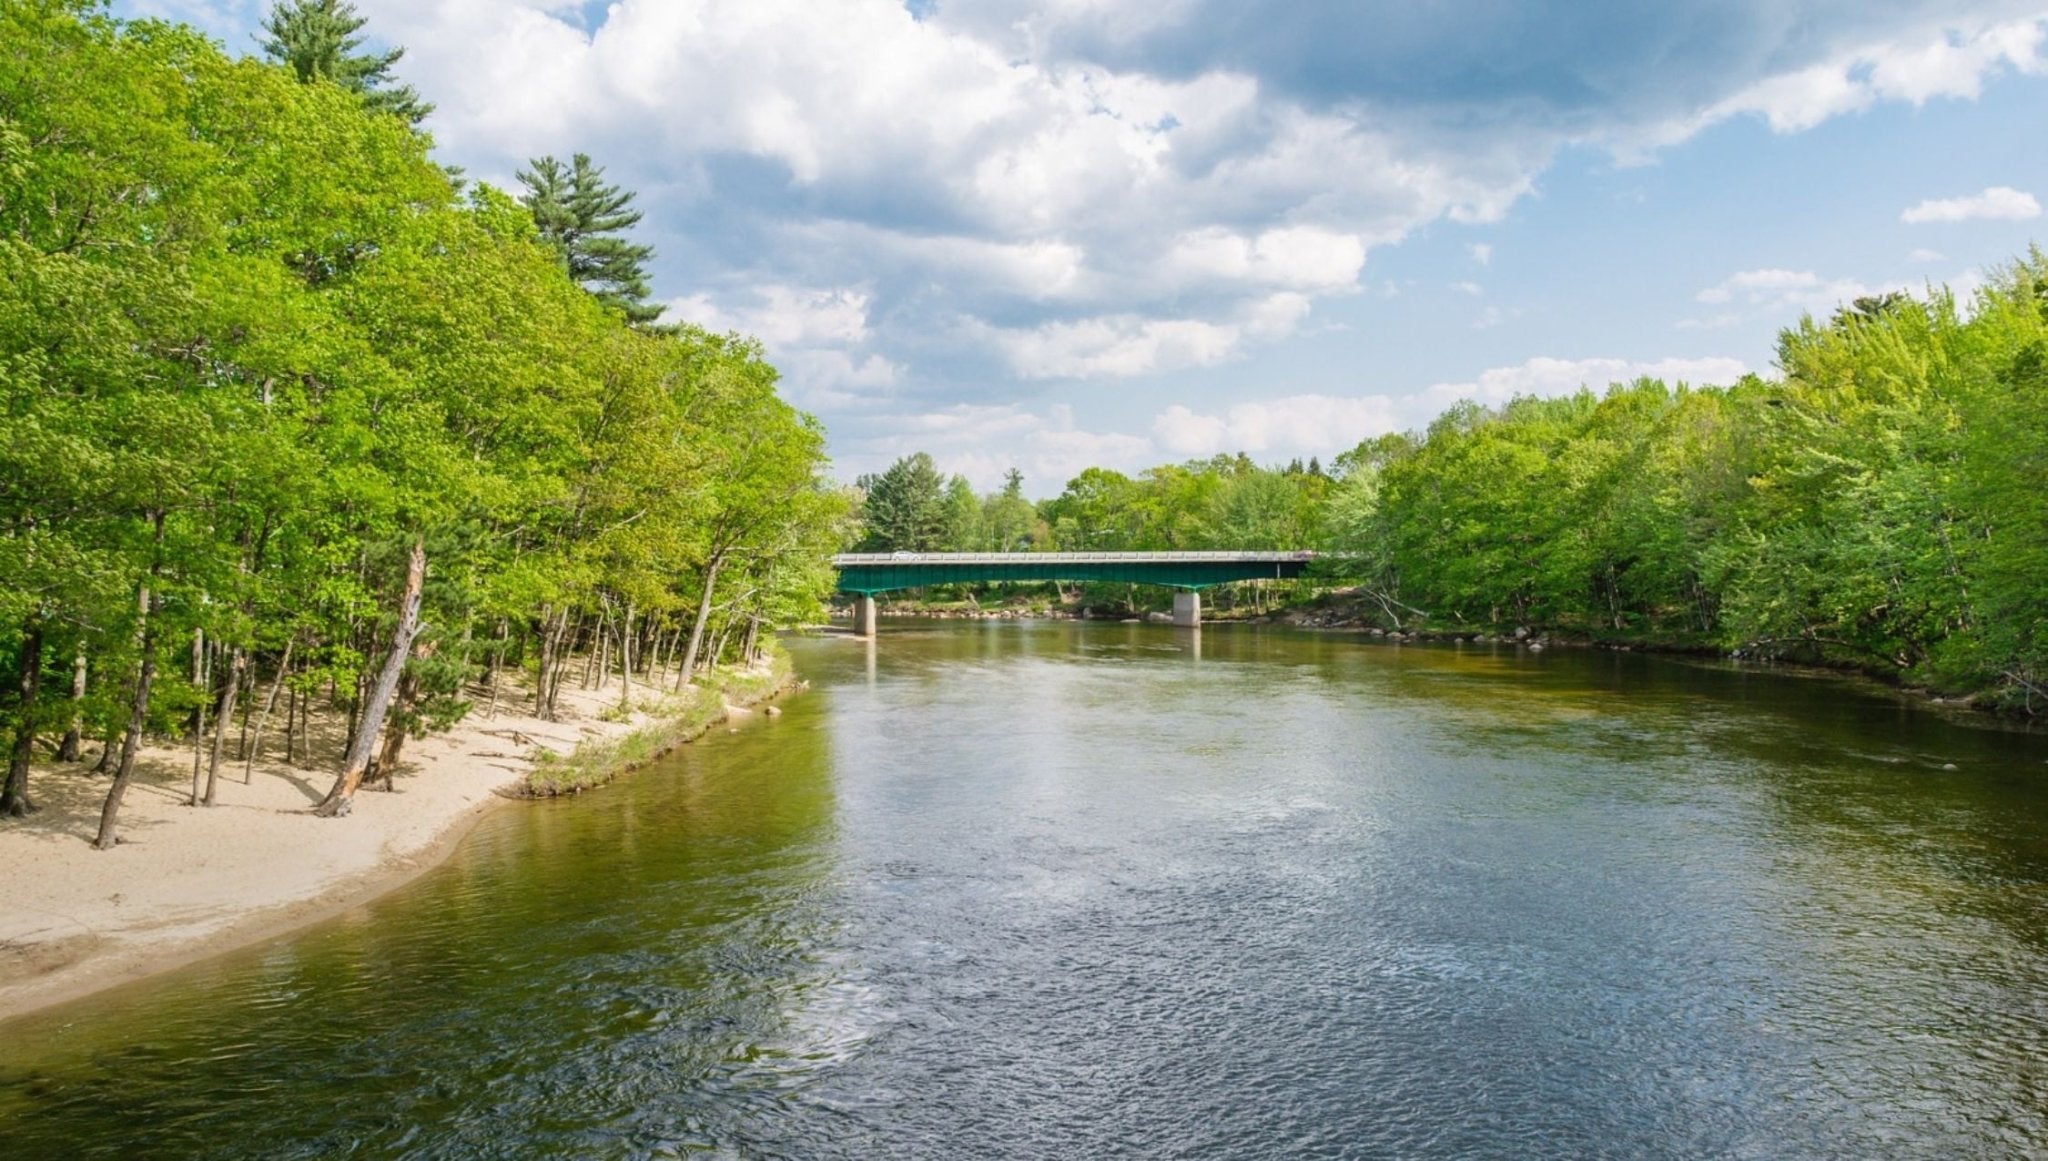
[{"x": 1053, "y": 890}]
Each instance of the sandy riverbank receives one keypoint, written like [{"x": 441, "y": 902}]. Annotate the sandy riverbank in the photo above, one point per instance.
[{"x": 186, "y": 883}]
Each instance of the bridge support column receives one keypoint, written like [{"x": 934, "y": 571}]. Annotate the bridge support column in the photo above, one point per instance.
[
  {"x": 864, "y": 615},
  {"x": 1187, "y": 610}
]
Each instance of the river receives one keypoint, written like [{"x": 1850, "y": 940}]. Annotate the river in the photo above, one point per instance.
[{"x": 1019, "y": 890}]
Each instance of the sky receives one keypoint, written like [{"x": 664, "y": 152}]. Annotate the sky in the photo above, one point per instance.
[{"x": 1128, "y": 232}]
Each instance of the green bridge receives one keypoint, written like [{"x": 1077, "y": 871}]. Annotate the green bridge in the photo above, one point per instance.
[{"x": 864, "y": 574}]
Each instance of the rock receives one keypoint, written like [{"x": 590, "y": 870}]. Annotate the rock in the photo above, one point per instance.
[
  {"x": 1521, "y": 631},
  {"x": 1948, "y": 766},
  {"x": 774, "y": 711},
  {"x": 1535, "y": 646}
]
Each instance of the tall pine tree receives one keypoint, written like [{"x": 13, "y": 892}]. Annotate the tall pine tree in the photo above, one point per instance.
[
  {"x": 318, "y": 40},
  {"x": 582, "y": 216}
]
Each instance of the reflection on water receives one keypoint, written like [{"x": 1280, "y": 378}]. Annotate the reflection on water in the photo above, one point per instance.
[{"x": 1000, "y": 889}]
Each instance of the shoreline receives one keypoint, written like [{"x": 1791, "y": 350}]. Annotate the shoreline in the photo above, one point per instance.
[
  {"x": 1963, "y": 708},
  {"x": 188, "y": 884}
]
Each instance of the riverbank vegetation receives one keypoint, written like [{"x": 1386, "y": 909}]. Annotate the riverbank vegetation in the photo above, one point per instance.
[
  {"x": 679, "y": 717},
  {"x": 1882, "y": 504},
  {"x": 290, "y": 412}
]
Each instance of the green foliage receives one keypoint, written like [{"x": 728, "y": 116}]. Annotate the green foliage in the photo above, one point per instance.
[
  {"x": 253, "y": 314},
  {"x": 905, "y": 507},
  {"x": 1884, "y": 505},
  {"x": 318, "y": 39},
  {"x": 582, "y": 217}
]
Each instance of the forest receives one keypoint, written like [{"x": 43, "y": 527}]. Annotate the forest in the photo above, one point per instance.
[
  {"x": 1881, "y": 505},
  {"x": 293, "y": 411}
]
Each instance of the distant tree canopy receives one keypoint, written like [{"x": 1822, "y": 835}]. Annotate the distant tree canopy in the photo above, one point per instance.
[
  {"x": 318, "y": 39},
  {"x": 1884, "y": 505}
]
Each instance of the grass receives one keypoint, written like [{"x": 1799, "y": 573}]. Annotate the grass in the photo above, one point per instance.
[{"x": 597, "y": 761}]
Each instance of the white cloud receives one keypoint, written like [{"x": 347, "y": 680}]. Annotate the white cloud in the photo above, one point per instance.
[
  {"x": 1545, "y": 376},
  {"x": 1123, "y": 346},
  {"x": 2000, "y": 203},
  {"x": 1481, "y": 253},
  {"x": 982, "y": 442},
  {"x": 1299, "y": 258},
  {"x": 1117, "y": 347},
  {"x": 1294, "y": 425},
  {"x": 1471, "y": 288},
  {"x": 1925, "y": 255},
  {"x": 1950, "y": 59},
  {"x": 813, "y": 334},
  {"x": 785, "y": 316},
  {"x": 1774, "y": 289}
]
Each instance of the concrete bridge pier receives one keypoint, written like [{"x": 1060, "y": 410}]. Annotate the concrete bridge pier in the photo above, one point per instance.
[
  {"x": 1187, "y": 609},
  {"x": 864, "y": 615}
]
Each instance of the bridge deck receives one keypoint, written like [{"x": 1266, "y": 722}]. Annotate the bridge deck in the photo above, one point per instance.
[{"x": 878, "y": 572}]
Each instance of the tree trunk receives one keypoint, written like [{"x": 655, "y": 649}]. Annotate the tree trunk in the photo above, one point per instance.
[
  {"x": 237, "y": 666},
  {"x": 342, "y": 796},
  {"x": 199, "y": 718},
  {"x": 497, "y": 666},
  {"x": 626, "y": 659},
  {"x": 74, "y": 743},
  {"x": 138, "y": 709},
  {"x": 248, "y": 667},
  {"x": 717, "y": 652},
  {"x": 553, "y": 625},
  {"x": 386, "y": 765},
  {"x": 664, "y": 652},
  {"x": 697, "y": 628},
  {"x": 547, "y": 658},
  {"x": 561, "y": 670},
  {"x": 14, "y": 799},
  {"x": 599, "y": 655},
  {"x": 284, "y": 666}
]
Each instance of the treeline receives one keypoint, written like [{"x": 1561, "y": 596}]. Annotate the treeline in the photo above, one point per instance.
[
  {"x": 1227, "y": 502},
  {"x": 287, "y": 414},
  {"x": 1883, "y": 504}
]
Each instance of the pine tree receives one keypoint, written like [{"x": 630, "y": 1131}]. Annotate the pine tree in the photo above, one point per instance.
[
  {"x": 318, "y": 40},
  {"x": 905, "y": 509},
  {"x": 582, "y": 216}
]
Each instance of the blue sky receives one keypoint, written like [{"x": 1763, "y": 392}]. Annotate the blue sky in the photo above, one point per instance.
[{"x": 1080, "y": 232}]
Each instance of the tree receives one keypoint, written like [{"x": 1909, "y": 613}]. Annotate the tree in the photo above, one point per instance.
[
  {"x": 581, "y": 217},
  {"x": 964, "y": 532},
  {"x": 317, "y": 40},
  {"x": 905, "y": 508},
  {"x": 1009, "y": 520}
]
